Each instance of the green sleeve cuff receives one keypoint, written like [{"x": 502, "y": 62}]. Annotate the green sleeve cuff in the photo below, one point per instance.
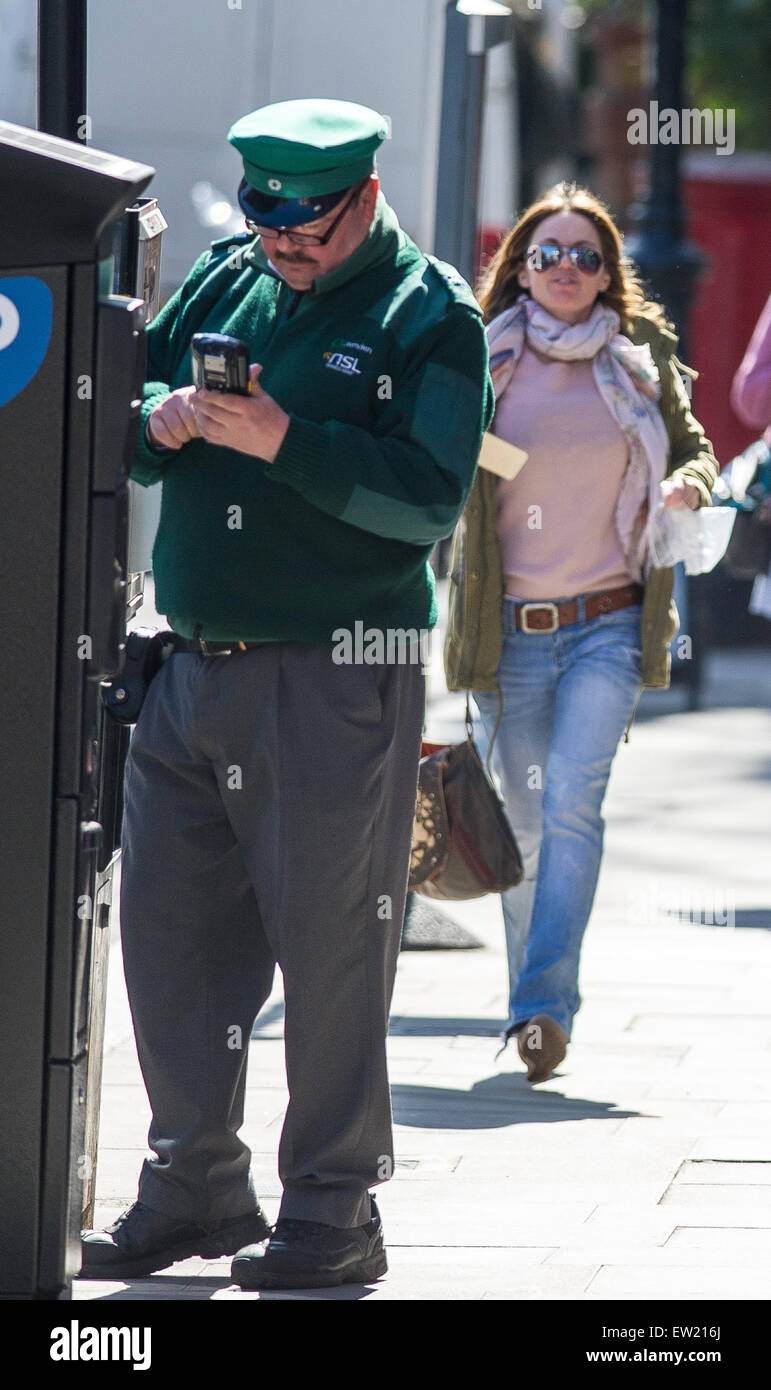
[
  {"x": 694, "y": 479},
  {"x": 705, "y": 493},
  {"x": 150, "y": 462},
  {"x": 303, "y": 456}
]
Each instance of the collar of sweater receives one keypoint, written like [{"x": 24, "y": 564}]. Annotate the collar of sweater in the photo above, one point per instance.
[{"x": 384, "y": 238}]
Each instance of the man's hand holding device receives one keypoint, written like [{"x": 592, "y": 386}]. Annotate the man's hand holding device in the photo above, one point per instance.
[
  {"x": 230, "y": 407},
  {"x": 173, "y": 422},
  {"x": 226, "y": 405}
]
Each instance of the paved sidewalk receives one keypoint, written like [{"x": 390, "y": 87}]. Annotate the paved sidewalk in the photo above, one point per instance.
[{"x": 643, "y": 1169}]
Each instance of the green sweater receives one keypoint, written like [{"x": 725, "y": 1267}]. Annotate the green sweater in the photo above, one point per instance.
[{"x": 382, "y": 367}]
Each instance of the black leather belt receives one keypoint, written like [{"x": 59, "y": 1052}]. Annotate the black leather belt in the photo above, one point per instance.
[{"x": 203, "y": 647}]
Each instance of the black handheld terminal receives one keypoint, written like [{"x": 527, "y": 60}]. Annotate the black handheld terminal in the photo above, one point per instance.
[{"x": 220, "y": 363}]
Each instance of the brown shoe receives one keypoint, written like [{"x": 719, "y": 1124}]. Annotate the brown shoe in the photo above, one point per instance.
[{"x": 542, "y": 1046}]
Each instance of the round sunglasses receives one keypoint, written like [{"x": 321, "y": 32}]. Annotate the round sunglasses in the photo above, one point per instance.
[{"x": 546, "y": 256}]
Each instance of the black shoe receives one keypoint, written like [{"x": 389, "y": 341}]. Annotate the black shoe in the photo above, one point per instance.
[
  {"x": 309, "y": 1255},
  {"x": 142, "y": 1241}
]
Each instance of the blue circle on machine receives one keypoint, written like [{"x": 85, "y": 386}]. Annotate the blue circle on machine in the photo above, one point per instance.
[{"x": 26, "y": 320}]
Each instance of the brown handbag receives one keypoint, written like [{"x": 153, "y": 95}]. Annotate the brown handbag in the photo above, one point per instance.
[{"x": 462, "y": 843}]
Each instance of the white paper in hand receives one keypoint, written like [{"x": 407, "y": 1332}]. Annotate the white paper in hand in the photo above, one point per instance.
[
  {"x": 501, "y": 458},
  {"x": 697, "y": 538}
]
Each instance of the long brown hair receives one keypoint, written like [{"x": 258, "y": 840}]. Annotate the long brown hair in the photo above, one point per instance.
[{"x": 499, "y": 286}]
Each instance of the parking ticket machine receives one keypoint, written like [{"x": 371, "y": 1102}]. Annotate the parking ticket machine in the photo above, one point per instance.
[{"x": 71, "y": 372}]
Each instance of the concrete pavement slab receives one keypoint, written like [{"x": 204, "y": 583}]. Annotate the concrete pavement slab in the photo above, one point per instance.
[
  {"x": 661, "y": 1220},
  {"x": 753, "y": 1200},
  {"x": 733, "y": 1147},
  {"x": 747, "y": 1117},
  {"x": 678, "y": 1282},
  {"x": 725, "y": 1242},
  {"x": 733, "y": 1173}
]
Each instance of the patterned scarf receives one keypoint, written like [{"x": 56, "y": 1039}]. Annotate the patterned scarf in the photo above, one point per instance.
[{"x": 628, "y": 381}]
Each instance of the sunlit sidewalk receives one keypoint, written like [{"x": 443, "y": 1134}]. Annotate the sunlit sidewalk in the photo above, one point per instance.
[{"x": 643, "y": 1168}]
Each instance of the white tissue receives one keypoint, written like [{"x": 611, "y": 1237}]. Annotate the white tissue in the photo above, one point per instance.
[{"x": 697, "y": 538}]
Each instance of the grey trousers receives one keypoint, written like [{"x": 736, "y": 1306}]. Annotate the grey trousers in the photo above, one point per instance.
[{"x": 269, "y": 803}]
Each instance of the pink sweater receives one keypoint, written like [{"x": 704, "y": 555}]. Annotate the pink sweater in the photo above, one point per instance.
[
  {"x": 556, "y": 518},
  {"x": 751, "y": 390}
]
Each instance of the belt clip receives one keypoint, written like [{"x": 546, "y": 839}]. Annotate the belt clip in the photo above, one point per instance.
[
  {"x": 527, "y": 607},
  {"x": 227, "y": 651}
]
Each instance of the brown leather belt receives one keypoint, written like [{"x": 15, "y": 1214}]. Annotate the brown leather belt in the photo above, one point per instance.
[{"x": 547, "y": 617}]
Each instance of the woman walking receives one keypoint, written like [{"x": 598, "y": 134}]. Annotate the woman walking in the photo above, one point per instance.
[{"x": 556, "y": 617}]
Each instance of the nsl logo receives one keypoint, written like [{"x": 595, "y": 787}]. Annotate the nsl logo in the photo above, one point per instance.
[
  {"x": 26, "y": 320},
  {"x": 340, "y": 362}
]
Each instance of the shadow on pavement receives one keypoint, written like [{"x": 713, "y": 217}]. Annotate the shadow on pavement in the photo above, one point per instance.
[
  {"x": 495, "y": 1103},
  {"x": 753, "y": 917},
  {"x": 181, "y": 1288},
  {"x": 758, "y": 918},
  {"x": 402, "y": 1025}
]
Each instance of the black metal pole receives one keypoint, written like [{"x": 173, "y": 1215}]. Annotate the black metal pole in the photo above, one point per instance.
[
  {"x": 669, "y": 263},
  {"x": 61, "y": 67},
  {"x": 458, "y": 144},
  {"x": 460, "y": 140}
]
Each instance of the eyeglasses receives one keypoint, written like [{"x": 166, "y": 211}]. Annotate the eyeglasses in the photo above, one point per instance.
[
  {"x": 545, "y": 256},
  {"x": 304, "y": 238}
]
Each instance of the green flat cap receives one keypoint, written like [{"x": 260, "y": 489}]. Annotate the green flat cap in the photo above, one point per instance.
[{"x": 298, "y": 149}]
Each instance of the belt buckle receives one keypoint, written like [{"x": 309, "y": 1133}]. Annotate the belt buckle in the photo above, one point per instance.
[{"x": 527, "y": 607}]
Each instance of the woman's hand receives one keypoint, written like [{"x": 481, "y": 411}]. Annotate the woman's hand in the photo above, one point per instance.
[{"x": 674, "y": 492}]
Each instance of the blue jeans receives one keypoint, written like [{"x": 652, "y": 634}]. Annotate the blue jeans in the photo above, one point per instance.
[{"x": 567, "y": 697}]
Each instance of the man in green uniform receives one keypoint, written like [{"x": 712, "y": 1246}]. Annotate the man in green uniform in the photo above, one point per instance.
[{"x": 271, "y": 782}]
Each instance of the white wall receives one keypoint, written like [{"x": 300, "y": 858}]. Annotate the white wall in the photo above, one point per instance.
[
  {"x": 167, "y": 78},
  {"x": 18, "y": 61},
  {"x": 383, "y": 53},
  {"x": 499, "y": 164}
]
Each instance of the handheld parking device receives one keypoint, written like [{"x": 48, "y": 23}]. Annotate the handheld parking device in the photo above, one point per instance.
[{"x": 220, "y": 363}]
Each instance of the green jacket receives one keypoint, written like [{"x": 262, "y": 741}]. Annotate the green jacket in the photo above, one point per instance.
[
  {"x": 474, "y": 638},
  {"x": 382, "y": 368}
]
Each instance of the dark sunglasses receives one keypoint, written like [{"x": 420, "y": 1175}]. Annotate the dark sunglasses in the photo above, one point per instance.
[
  {"x": 545, "y": 256},
  {"x": 305, "y": 238}
]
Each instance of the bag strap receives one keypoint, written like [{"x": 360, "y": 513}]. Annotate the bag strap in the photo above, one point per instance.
[
  {"x": 470, "y": 725},
  {"x": 469, "y": 719}
]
